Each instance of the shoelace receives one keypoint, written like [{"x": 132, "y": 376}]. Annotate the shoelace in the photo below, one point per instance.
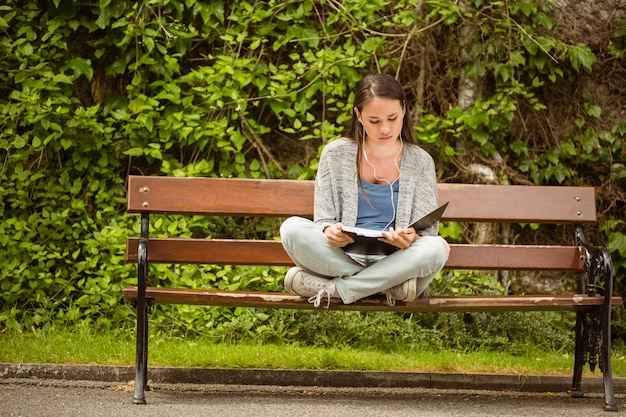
[
  {"x": 391, "y": 301},
  {"x": 327, "y": 291}
]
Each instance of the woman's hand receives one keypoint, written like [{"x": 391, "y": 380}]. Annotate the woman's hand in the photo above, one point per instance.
[
  {"x": 336, "y": 237},
  {"x": 402, "y": 238}
]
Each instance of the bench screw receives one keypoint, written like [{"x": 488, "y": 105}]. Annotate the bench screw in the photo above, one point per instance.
[
  {"x": 578, "y": 198},
  {"x": 145, "y": 204},
  {"x": 144, "y": 190},
  {"x": 579, "y": 213}
]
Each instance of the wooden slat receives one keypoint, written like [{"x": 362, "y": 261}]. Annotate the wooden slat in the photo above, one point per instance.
[
  {"x": 519, "y": 204},
  {"x": 468, "y": 202},
  {"x": 214, "y": 252},
  {"x": 220, "y": 196},
  {"x": 516, "y": 257},
  {"x": 562, "y": 302},
  {"x": 270, "y": 252}
]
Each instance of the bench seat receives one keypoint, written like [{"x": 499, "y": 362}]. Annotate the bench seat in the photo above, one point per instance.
[{"x": 435, "y": 304}]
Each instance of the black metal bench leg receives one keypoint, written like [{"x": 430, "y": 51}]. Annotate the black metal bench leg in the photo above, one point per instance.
[
  {"x": 141, "y": 358},
  {"x": 579, "y": 356},
  {"x": 593, "y": 331},
  {"x": 607, "y": 373}
]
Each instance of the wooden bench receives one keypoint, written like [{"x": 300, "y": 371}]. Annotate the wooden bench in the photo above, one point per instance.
[{"x": 573, "y": 206}]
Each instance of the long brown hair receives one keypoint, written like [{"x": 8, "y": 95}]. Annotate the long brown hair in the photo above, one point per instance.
[{"x": 371, "y": 86}]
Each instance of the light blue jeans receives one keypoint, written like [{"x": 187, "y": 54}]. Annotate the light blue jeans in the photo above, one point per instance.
[{"x": 359, "y": 276}]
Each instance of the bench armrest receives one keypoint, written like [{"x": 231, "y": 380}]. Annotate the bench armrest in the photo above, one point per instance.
[{"x": 599, "y": 274}]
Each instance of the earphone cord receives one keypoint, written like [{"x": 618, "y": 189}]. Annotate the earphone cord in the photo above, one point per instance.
[{"x": 395, "y": 161}]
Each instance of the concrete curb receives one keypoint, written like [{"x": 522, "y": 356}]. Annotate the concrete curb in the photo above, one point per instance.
[{"x": 307, "y": 378}]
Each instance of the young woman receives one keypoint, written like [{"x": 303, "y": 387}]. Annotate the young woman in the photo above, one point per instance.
[{"x": 377, "y": 178}]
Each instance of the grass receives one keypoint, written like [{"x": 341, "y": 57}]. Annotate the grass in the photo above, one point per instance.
[{"x": 66, "y": 347}]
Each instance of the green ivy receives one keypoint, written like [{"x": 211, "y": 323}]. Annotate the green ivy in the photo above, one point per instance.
[{"x": 93, "y": 92}]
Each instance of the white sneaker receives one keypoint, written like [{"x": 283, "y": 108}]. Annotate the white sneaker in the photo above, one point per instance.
[
  {"x": 300, "y": 282},
  {"x": 407, "y": 292}
]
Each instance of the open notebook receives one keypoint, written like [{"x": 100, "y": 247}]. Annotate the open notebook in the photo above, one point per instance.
[{"x": 366, "y": 240}]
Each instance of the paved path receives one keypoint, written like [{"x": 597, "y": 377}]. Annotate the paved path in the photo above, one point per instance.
[{"x": 52, "y": 398}]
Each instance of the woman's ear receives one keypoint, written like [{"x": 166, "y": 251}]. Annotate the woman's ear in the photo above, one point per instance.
[{"x": 358, "y": 114}]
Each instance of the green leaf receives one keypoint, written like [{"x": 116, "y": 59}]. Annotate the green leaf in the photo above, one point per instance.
[
  {"x": 134, "y": 152},
  {"x": 76, "y": 186},
  {"x": 503, "y": 71},
  {"x": 617, "y": 243},
  {"x": 581, "y": 55},
  {"x": 526, "y": 8},
  {"x": 519, "y": 147},
  {"x": 476, "y": 120},
  {"x": 66, "y": 143},
  {"x": 618, "y": 171},
  {"x": 542, "y": 19},
  {"x": 373, "y": 44},
  {"x": 19, "y": 142},
  {"x": 594, "y": 111},
  {"x": 477, "y": 69},
  {"x": 62, "y": 78},
  {"x": 80, "y": 67}
]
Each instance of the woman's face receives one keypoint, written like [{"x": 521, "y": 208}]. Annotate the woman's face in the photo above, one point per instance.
[{"x": 382, "y": 119}]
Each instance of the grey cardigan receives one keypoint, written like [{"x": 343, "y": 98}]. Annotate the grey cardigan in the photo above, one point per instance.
[{"x": 337, "y": 188}]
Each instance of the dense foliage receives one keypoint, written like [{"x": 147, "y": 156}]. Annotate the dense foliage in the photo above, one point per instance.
[{"x": 93, "y": 92}]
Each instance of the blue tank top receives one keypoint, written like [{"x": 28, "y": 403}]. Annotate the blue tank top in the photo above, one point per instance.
[{"x": 380, "y": 212}]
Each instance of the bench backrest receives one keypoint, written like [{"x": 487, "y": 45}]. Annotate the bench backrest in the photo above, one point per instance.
[
  {"x": 283, "y": 198},
  {"x": 468, "y": 202}
]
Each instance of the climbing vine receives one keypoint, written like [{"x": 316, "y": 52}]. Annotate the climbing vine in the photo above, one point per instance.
[{"x": 93, "y": 92}]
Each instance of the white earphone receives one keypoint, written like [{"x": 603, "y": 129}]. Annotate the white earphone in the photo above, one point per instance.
[{"x": 395, "y": 161}]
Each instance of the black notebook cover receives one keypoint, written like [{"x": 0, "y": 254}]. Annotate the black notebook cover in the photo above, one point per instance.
[{"x": 366, "y": 241}]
